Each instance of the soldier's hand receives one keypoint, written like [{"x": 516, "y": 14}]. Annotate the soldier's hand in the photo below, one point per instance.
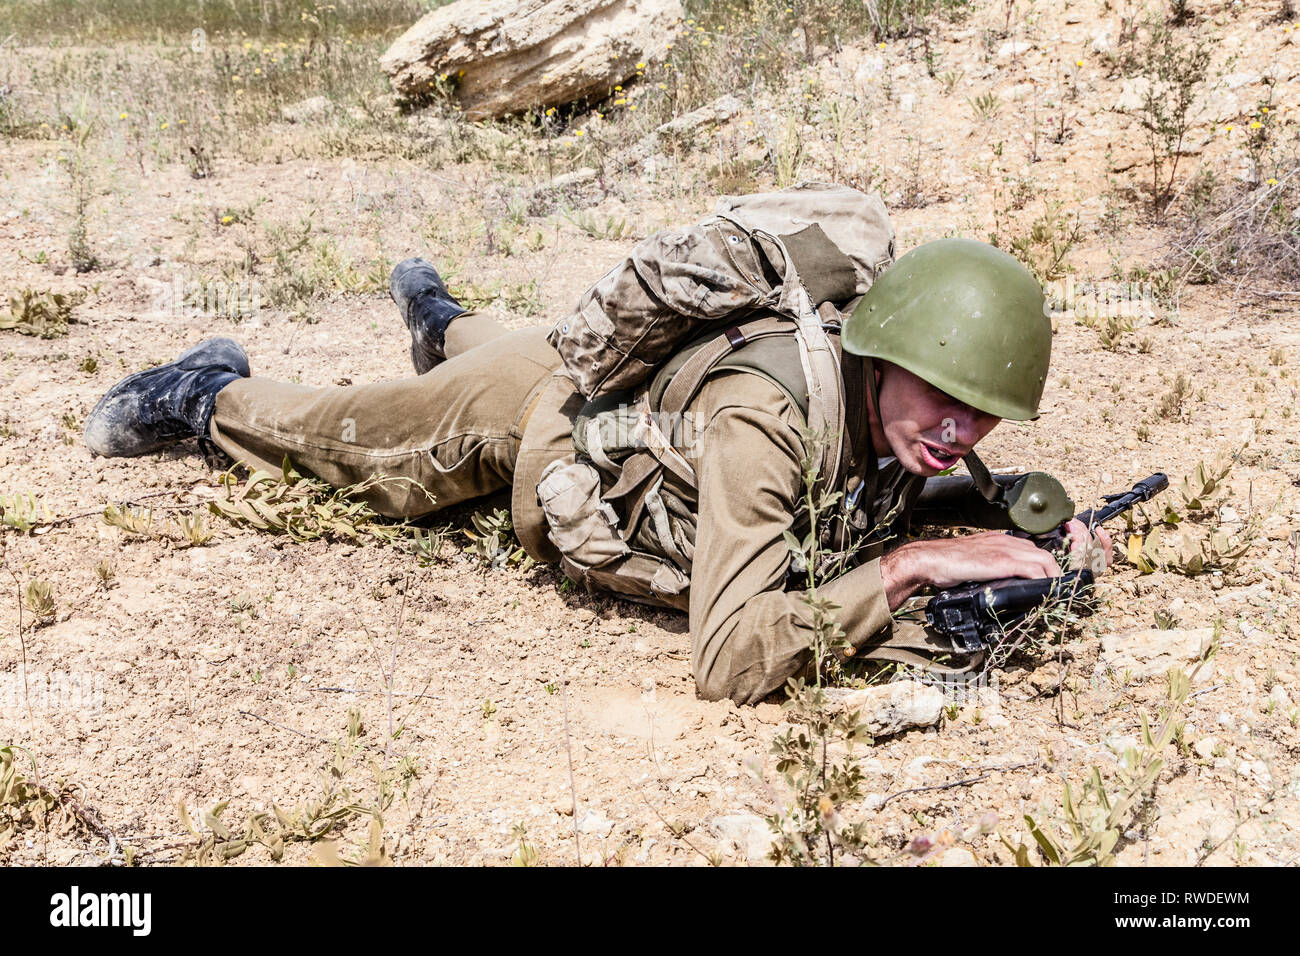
[
  {"x": 987, "y": 556},
  {"x": 1087, "y": 551}
]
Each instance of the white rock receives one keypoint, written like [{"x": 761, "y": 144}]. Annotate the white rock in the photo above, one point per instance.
[
  {"x": 595, "y": 822},
  {"x": 507, "y": 56},
  {"x": 1244, "y": 594},
  {"x": 1151, "y": 652},
  {"x": 1206, "y": 746},
  {"x": 1012, "y": 48},
  {"x": 1100, "y": 42},
  {"x": 1280, "y": 697},
  {"x": 891, "y": 708},
  {"x": 747, "y": 832}
]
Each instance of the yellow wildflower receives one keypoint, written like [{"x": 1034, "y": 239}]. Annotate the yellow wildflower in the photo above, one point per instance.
[
  {"x": 1256, "y": 125},
  {"x": 163, "y": 126},
  {"x": 226, "y": 220},
  {"x": 640, "y": 66},
  {"x": 1271, "y": 182},
  {"x": 121, "y": 116},
  {"x": 581, "y": 132}
]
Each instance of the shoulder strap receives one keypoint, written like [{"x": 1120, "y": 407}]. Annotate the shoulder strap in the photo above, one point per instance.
[{"x": 825, "y": 402}]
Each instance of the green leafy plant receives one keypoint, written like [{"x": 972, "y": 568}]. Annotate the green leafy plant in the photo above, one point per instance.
[
  {"x": 985, "y": 106},
  {"x": 612, "y": 228},
  {"x": 811, "y": 830},
  {"x": 1111, "y": 332},
  {"x": 43, "y": 314},
  {"x": 1098, "y": 817},
  {"x": 319, "y": 821},
  {"x": 26, "y": 803},
  {"x": 306, "y": 509},
  {"x": 1174, "y": 71},
  {"x": 526, "y": 854},
  {"x": 23, "y": 511},
  {"x": 1189, "y": 537},
  {"x": 1171, "y": 403},
  {"x": 492, "y": 540},
  {"x": 38, "y": 596},
  {"x": 1047, "y": 245}
]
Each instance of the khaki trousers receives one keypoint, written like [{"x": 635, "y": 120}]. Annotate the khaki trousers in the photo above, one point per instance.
[{"x": 455, "y": 431}]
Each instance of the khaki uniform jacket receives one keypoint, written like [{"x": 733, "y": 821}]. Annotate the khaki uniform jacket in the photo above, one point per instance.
[{"x": 748, "y": 633}]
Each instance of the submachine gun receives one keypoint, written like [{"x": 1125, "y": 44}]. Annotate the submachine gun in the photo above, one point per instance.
[{"x": 976, "y": 614}]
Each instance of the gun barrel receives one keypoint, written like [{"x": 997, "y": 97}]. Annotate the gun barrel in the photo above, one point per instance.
[{"x": 1144, "y": 490}]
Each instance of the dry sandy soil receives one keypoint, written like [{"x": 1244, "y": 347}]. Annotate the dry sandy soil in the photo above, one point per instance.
[{"x": 226, "y": 672}]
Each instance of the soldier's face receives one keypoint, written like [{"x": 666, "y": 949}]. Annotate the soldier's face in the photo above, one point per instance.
[{"x": 927, "y": 430}]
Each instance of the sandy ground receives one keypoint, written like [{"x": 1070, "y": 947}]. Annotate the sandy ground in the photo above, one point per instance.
[{"x": 226, "y": 672}]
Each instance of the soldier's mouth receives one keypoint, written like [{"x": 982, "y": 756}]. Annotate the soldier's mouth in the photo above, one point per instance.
[{"x": 937, "y": 458}]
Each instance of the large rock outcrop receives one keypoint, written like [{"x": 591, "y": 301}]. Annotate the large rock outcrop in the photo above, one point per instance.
[{"x": 506, "y": 56}]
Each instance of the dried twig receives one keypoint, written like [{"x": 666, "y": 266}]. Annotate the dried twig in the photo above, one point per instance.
[{"x": 968, "y": 781}]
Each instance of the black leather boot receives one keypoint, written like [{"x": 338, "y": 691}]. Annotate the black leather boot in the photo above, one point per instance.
[
  {"x": 427, "y": 308},
  {"x": 160, "y": 406}
]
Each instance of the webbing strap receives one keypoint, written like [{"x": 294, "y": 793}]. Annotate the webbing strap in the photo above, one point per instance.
[
  {"x": 690, "y": 377},
  {"x": 821, "y": 371},
  {"x": 654, "y": 503},
  {"x": 979, "y": 472},
  {"x": 660, "y": 446},
  {"x": 633, "y": 484},
  {"x": 825, "y": 389}
]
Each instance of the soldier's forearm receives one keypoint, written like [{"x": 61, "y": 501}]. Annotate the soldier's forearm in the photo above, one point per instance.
[{"x": 902, "y": 571}]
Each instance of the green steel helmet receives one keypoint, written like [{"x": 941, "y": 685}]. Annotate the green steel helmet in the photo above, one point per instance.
[{"x": 965, "y": 317}]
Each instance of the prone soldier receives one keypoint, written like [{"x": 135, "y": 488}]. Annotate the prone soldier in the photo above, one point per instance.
[{"x": 782, "y": 348}]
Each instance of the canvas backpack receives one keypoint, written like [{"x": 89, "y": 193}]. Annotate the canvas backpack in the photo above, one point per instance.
[{"x": 750, "y": 288}]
